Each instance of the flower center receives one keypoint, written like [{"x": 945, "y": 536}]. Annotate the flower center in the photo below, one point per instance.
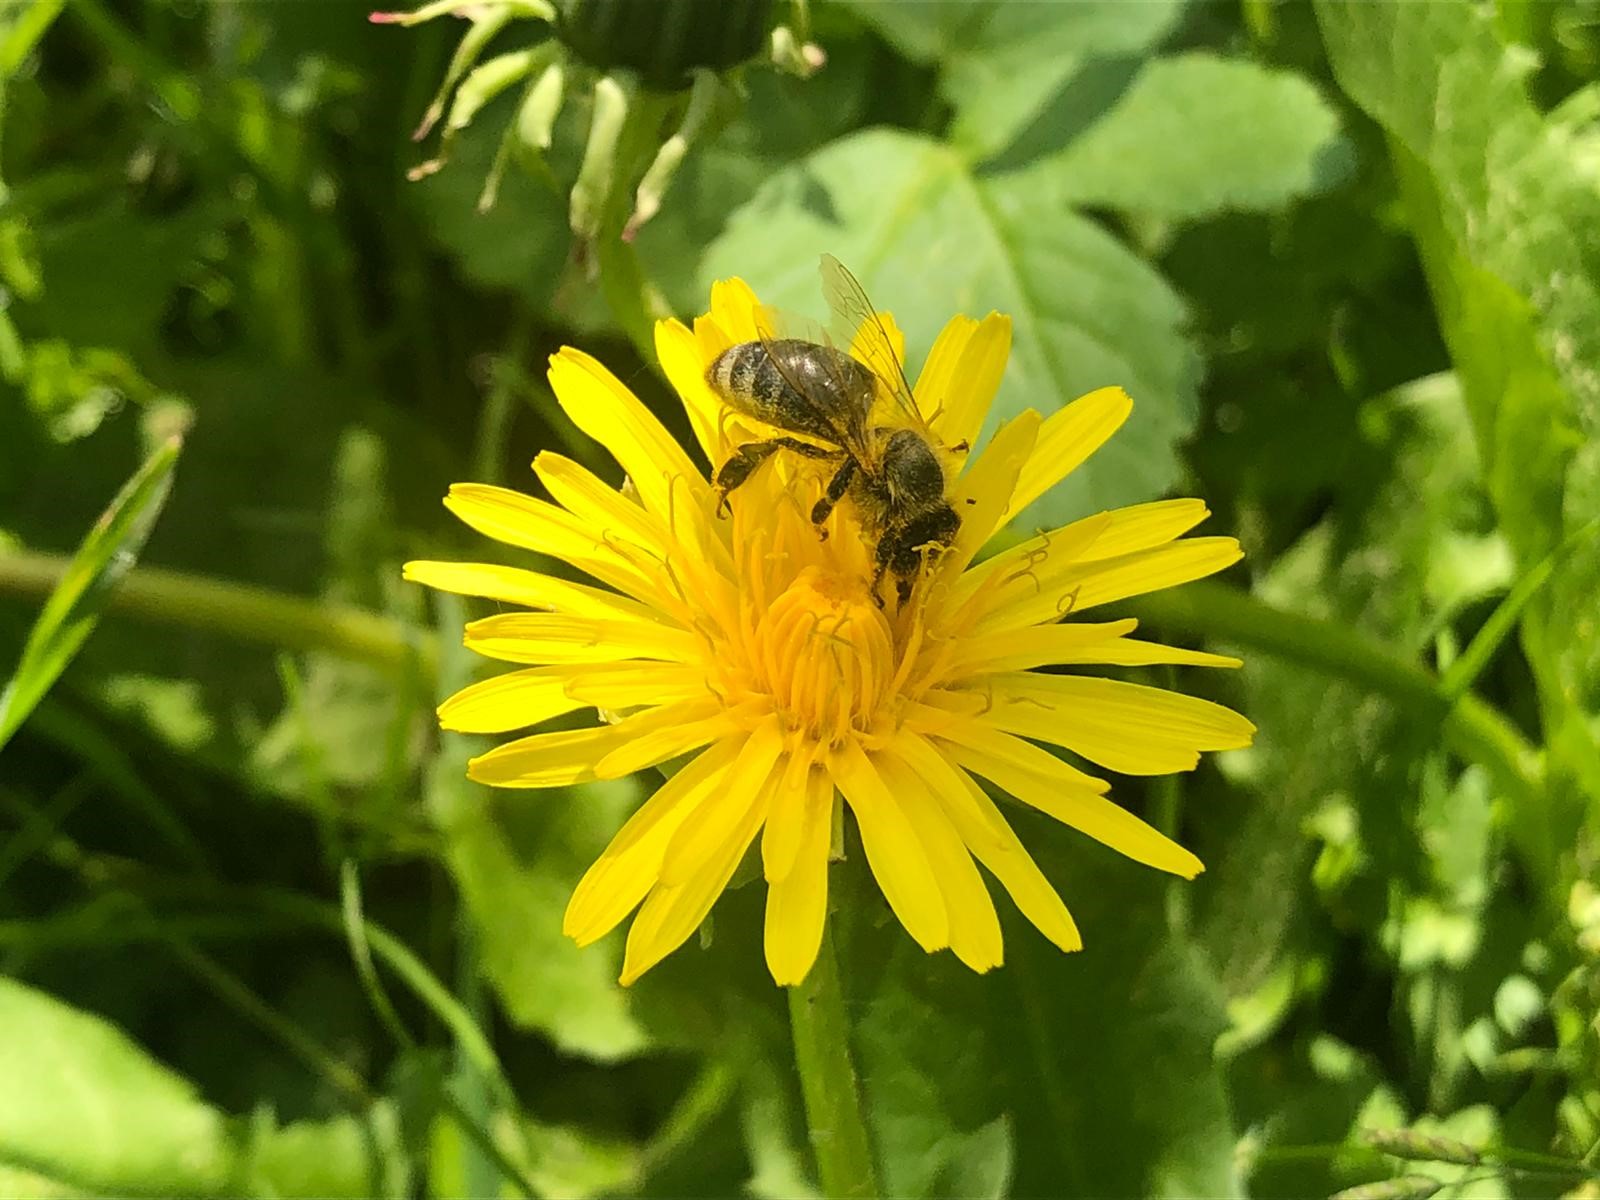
[{"x": 825, "y": 654}]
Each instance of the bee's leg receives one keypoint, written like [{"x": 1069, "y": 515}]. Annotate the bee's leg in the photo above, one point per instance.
[
  {"x": 837, "y": 486},
  {"x": 887, "y": 548},
  {"x": 739, "y": 468},
  {"x": 750, "y": 456}
]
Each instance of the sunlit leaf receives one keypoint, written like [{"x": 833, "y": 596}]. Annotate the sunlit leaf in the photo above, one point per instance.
[
  {"x": 96, "y": 1109},
  {"x": 1170, "y": 145},
  {"x": 928, "y": 237}
]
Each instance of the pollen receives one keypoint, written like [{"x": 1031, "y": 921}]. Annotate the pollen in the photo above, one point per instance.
[{"x": 824, "y": 653}]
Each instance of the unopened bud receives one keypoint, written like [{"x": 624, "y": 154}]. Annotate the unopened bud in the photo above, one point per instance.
[
  {"x": 1406, "y": 1187},
  {"x": 1421, "y": 1147},
  {"x": 596, "y": 176}
]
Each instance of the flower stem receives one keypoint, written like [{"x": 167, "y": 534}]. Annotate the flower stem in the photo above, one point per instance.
[
  {"x": 235, "y": 609},
  {"x": 828, "y": 1080}
]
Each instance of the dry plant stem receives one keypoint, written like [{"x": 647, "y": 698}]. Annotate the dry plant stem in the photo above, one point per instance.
[{"x": 828, "y": 1080}]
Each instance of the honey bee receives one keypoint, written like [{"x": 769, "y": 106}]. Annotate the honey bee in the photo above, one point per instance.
[{"x": 885, "y": 453}]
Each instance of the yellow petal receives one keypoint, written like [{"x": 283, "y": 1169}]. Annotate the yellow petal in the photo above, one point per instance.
[
  {"x": 894, "y": 853},
  {"x": 935, "y": 767},
  {"x": 699, "y": 778},
  {"x": 597, "y": 403},
  {"x": 681, "y": 358},
  {"x": 1035, "y": 646},
  {"x": 513, "y": 585},
  {"x": 797, "y": 790},
  {"x": 981, "y": 493},
  {"x": 619, "y": 879},
  {"x": 697, "y": 841},
  {"x": 971, "y": 385},
  {"x": 671, "y": 914},
  {"x": 511, "y": 701},
  {"x": 976, "y": 819},
  {"x": 544, "y": 759},
  {"x": 1125, "y": 727},
  {"x": 632, "y": 683},
  {"x": 558, "y": 638},
  {"x": 941, "y": 373},
  {"x": 1086, "y": 585},
  {"x": 1128, "y": 652},
  {"x": 1042, "y": 568},
  {"x": 797, "y": 903},
  {"x": 519, "y": 520},
  {"x": 586, "y": 496},
  {"x": 974, "y": 928},
  {"x": 1012, "y": 579},
  {"x": 982, "y": 741},
  {"x": 733, "y": 308},
  {"x": 655, "y": 736},
  {"x": 1044, "y": 782},
  {"x": 1069, "y": 436},
  {"x": 1142, "y": 526}
]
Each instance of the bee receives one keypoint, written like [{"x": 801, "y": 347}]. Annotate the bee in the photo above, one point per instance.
[{"x": 885, "y": 455}]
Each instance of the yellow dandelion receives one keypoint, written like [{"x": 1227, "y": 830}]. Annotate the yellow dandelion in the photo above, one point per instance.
[{"x": 757, "y": 647}]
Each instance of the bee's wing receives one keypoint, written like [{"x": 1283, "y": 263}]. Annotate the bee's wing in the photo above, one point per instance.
[
  {"x": 849, "y": 426},
  {"x": 858, "y": 325}
]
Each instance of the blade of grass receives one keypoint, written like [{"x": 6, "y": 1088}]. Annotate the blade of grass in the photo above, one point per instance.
[
  {"x": 74, "y": 607},
  {"x": 1464, "y": 672},
  {"x": 21, "y": 32}
]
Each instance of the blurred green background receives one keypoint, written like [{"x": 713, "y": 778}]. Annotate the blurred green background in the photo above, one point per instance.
[{"x": 260, "y": 937}]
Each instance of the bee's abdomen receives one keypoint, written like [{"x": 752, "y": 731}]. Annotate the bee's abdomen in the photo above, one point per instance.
[{"x": 749, "y": 379}]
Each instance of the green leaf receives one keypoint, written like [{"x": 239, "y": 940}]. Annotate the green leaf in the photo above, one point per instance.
[
  {"x": 85, "y": 1104},
  {"x": 1008, "y": 66},
  {"x": 929, "y": 239},
  {"x": 516, "y": 865},
  {"x": 70, "y": 614},
  {"x": 520, "y": 243},
  {"x": 1502, "y": 201},
  {"x": 1087, "y": 1074},
  {"x": 21, "y": 32},
  {"x": 1171, "y": 145},
  {"x": 345, "y": 1156}
]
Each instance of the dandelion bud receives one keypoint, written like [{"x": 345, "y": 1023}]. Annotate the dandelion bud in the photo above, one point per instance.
[
  {"x": 666, "y": 43},
  {"x": 1421, "y": 1147},
  {"x": 1406, "y": 1187}
]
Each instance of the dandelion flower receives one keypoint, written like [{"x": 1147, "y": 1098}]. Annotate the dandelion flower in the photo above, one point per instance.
[{"x": 752, "y": 648}]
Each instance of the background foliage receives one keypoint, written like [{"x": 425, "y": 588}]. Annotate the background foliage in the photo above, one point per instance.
[{"x": 260, "y": 936}]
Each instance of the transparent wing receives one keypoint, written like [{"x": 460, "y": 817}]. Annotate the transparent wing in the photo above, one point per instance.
[
  {"x": 849, "y": 424},
  {"x": 858, "y": 326}
]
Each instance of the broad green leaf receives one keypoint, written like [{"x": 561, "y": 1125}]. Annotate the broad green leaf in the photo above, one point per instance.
[
  {"x": 516, "y": 865},
  {"x": 85, "y": 1104},
  {"x": 72, "y": 610},
  {"x": 1007, "y": 66},
  {"x": 930, "y": 239},
  {"x": 1086, "y": 1074},
  {"x": 1172, "y": 144},
  {"x": 1501, "y": 198},
  {"x": 344, "y": 1156}
]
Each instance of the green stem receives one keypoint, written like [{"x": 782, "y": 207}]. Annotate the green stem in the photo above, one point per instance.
[
  {"x": 828, "y": 1080},
  {"x": 1473, "y": 728},
  {"x": 253, "y": 614}
]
